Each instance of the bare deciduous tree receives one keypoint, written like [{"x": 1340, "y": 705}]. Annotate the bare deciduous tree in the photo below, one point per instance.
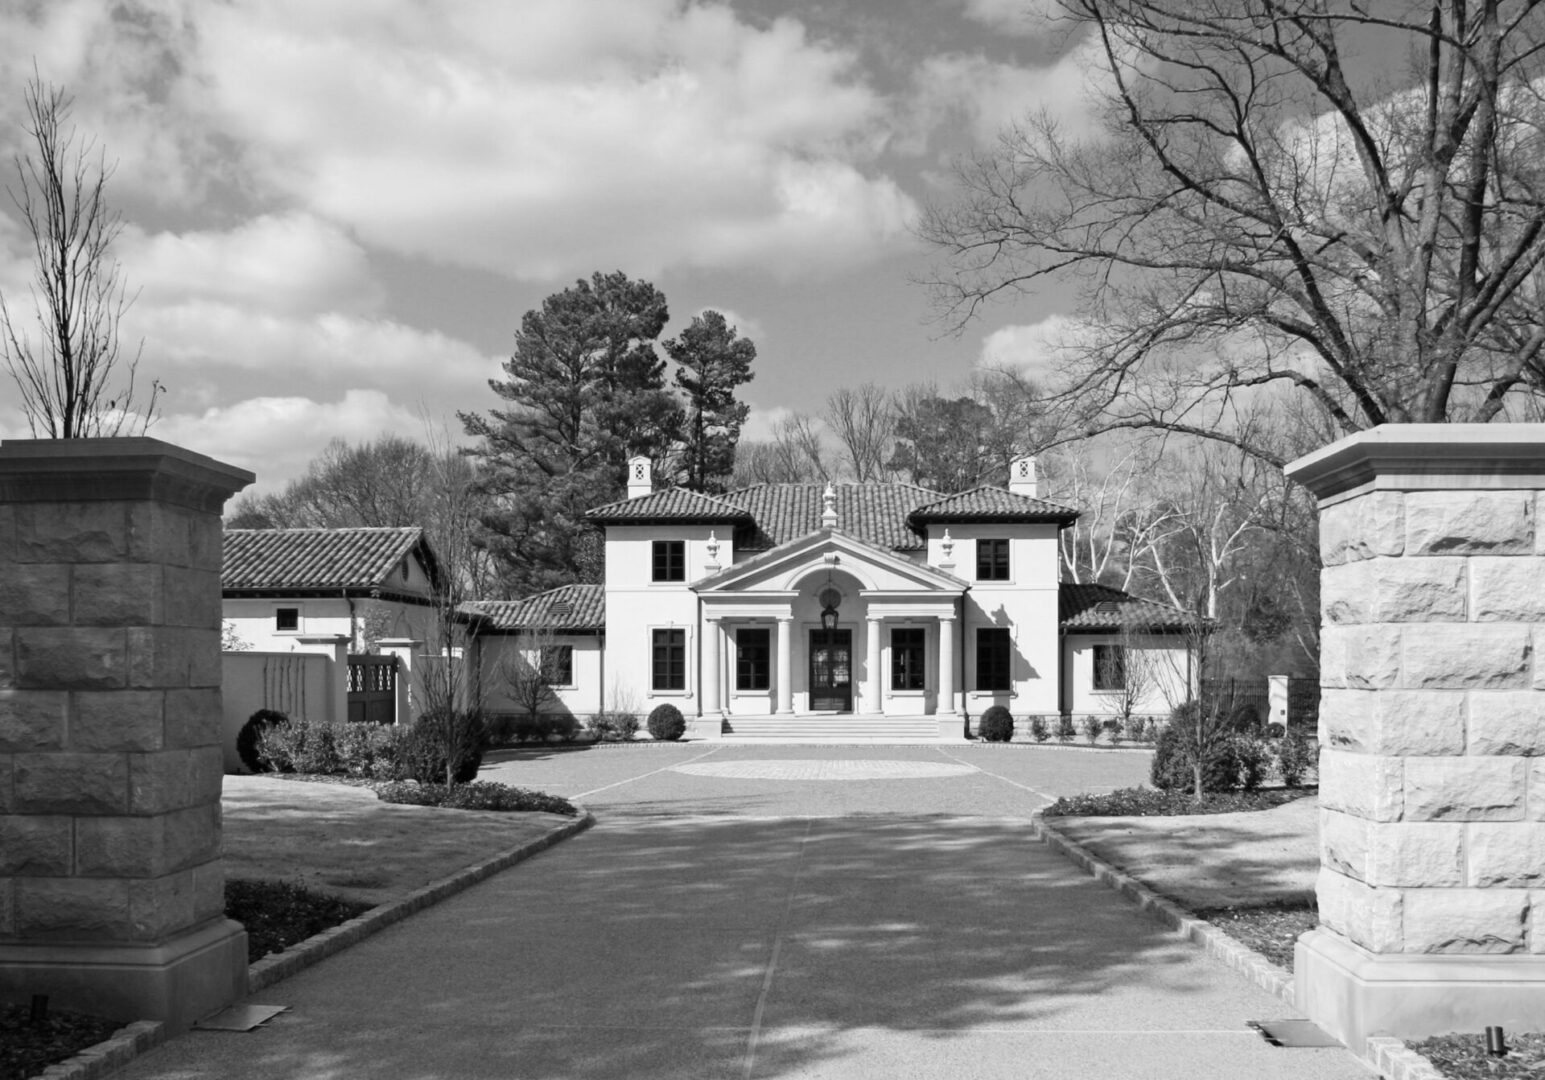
[
  {"x": 73, "y": 382},
  {"x": 1258, "y": 209},
  {"x": 864, "y": 423},
  {"x": 795, "y": 454}
]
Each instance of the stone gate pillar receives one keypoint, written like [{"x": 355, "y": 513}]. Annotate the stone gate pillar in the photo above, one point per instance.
[
  {"x": 1432, "y": 719},
  {"x": 111, "y": 884}
]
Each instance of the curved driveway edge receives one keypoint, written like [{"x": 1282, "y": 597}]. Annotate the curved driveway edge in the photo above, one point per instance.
[
  {"x": 1392, "y": 1057},
  {"x": 129, "y": 1042},
  {"x": 274, "y": 967}
]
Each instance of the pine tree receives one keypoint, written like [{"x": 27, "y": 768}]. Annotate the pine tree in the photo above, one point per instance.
[
  {"x": 586, "y": 390},
  {"x": 713, "y": 360}
]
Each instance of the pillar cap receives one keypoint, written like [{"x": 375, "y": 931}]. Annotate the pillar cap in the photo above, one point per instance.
[
  {"x": 1426, "y": 457},
  {"x": 115, "y": 470}
]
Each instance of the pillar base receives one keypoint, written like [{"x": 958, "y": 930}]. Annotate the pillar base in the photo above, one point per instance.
[
  {"x": 1353, "y": 993},
  {"x": 708, "y": 728},
  {"x": 178, "y": 981},
  {"x": 952, "y": 728}
]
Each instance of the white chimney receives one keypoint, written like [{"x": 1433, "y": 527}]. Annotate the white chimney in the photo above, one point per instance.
[
  {"x": 639, "y": 481},
  {"x": 1022, "y": 476}
]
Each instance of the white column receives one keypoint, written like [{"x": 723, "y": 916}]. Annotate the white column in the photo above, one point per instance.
[
  {"x": 785, "y": 665},
  {"x": 872, "y": 680},
  {"x": 946, "y": 666},
  {"x": 712, "y": 648}
]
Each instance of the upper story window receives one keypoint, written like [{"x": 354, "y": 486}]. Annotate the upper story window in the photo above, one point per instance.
[
  {"x": 994, "y": 659},
  {"x": 992, "y": 560},
  {"x": 670, "y": 560},
  {"x": 753, "y": 670},
  {"x": 908, "y": 654},
  {"x": 1110, "y": 667},
  {"x": 287, "y": 620}
]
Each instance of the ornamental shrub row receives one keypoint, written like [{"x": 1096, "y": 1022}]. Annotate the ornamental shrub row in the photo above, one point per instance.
[
  {"x": 419, "y": 751},
  {"x": 997, "y": 725},
  {"x": 1230, "y": 760}
]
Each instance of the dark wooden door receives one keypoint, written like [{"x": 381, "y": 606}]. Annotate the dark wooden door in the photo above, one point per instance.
[
  {"x": 372, "y": 689},
  {"x": 831, "y": 671}
]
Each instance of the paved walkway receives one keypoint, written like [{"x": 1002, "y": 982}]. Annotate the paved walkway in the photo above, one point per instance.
[{"x": 850, "y": 924}]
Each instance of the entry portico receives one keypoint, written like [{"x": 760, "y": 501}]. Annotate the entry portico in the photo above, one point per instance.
[{"x": 854, "y": 628}]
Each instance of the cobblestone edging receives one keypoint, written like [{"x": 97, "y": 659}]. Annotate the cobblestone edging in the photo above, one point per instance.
[
  {"x": 114, "y": 1052},
  {"x": 129, "y": 1042},
  {"x": 275, "y": 967},
  {"x": 1391, "y": 1057}
]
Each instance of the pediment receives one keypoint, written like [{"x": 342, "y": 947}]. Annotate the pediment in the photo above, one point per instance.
[{"x": 782, "y": 568}]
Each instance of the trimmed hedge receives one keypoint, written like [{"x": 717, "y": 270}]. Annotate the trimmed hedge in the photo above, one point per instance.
[
  {"x": 666, "y": 723},
  {"x": 251, "y": 731},
  {"x": 996, "y": 725}
]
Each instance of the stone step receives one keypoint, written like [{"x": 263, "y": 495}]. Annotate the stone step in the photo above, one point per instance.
[{"x": 822, "y": 729}]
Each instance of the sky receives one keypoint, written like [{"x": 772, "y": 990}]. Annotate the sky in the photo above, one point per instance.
[{"x": 336, "y": 213}]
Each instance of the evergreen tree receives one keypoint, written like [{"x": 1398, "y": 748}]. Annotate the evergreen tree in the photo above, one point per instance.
[
  {"x": 586, "y": 390},
  {"x": 713, "y": 361}
]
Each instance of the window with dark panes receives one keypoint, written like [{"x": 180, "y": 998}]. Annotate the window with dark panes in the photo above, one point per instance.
[
  {"x": 753, "y": 650},
  {"x": 669, "y": 661},
  {"x": 286, "y": 618},
  {"x": 1110, "y": 667},
  {"x": 558, "y": 665},
  {"x": 908, "y": 654},
  {"x": 992, "y": 560},
  {"x": 994, "y": 655},
  {"x": 670, "y": 560}
]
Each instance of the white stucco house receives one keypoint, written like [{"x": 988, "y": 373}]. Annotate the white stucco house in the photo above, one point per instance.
[{"x": 841, "y": 609}]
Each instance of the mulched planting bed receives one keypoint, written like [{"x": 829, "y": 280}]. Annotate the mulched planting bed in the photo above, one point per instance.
[
  {"x": 26, "y": 1049},
  {"x": 278, "y": 914},
  {"x": 1150, "y": 802},
  {"x": 1269, "y": 929},
  {"x": 1463, "y": 1057}
]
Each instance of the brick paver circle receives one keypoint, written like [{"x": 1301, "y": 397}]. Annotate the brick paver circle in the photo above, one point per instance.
[{"x": 796, "y": 769}]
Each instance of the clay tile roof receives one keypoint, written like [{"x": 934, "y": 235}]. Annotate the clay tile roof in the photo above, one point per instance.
[
  {"x": 676, "y": 504},
  {"x": 873, "y": 513},
  {"x": 280, "y": 560},
  {"x": 1100, "y": 607},
  {"x": 992, "y": 504},
  {"x": 573, "y": 608}
]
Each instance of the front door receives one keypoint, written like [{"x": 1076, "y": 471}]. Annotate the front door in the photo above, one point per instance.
[{"x": 831, "y": 671}]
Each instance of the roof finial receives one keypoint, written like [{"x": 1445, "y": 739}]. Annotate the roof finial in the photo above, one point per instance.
[{"x": 829, "y": 507}]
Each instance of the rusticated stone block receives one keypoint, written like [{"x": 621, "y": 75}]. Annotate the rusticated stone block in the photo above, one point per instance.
[
  {"x": 71, "y": 532},
  {"x": 1363, "y": 785},
  {"x": 1469, "y": 522},
  {"x": 7, "y": 658},
  {"x": 7, "y": 907},
  {"x": 117, "y": 594},
  {"x": 72, "y": 908},
  {"x": 1361, "y": 528},
  {"x": 158, "y": 533},
  {"x": 1486, "y": 921},
  {"x": 1464, "y": 789},
  {"x": 193, "y": 718},
  {"x": 162, "y": 782},
  {"x": 1344, "y": 843},
  {"x": 1506, "y": 722},
  {"x": 71, "y": 783},
  {"x": 1416, "y": 854},
  {"x": 1368, "y": 916},
  {"x": 206, "y": 543},
  {"x": 129, "y": 720},
  {"x": 1345, "y": 596},
  {"x": 145, "y": 847},
  {"x": 35, "y": 844},
  {"x": 192, "y": 598},
  {"x": 160, "y": 906},
  {"x": 208, "y": 890},
  {"x": 7, "y": 533},
  {"x": 35, "y": 594},
  {"x": 32, "y": 720},
  {"x": 1536, "y": 807},
  {"x": 70, "y": 658},
  {"x": 1361, "y": 657},
  {"x": 208, "y": 774},
  {"x": 1511, "y": 854},
  {"x": 173, "y": 657},
  {"x": 1417, "y": 590},
  {"x": 1469, "y": 657},
  {"x": 1394, "y": 722},
  {"x": 1507, "y": 589}
]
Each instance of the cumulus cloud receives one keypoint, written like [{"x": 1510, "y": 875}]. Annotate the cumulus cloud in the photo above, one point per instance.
[
  {"x": 1025, "y": 17},
  {"x": 1034, "y": 349},
  {"x": 613, "y": 132},
  {"x": 277, "y": 437}
]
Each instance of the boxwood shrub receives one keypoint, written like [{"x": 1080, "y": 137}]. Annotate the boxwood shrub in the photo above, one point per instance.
[
  {"x": 666, "y": 723},
  {"x": 996, "y": 725}
]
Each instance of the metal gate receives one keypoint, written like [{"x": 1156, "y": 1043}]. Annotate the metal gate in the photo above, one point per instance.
[{"x": 372, "y": 689}]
